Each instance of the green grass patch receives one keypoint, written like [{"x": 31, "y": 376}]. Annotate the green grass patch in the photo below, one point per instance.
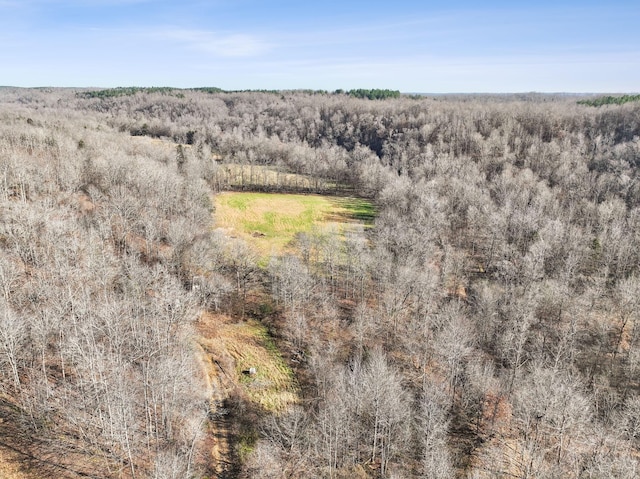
[
  {"x": 273, "y": 386},
  {"x": 270, "y": 221},
  {"x": 357, "y": 209},
  {"x": 246, "y": 444}
]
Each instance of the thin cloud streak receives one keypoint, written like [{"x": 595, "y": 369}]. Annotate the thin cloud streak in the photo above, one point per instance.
[{"x": 224, "y": 45}]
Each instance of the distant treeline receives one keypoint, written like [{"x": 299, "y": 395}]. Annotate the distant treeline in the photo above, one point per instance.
[
  {"x": 124, "y": 91},
  {"x": 610, "y": 100},
  {"x": 373, "y": 94}
]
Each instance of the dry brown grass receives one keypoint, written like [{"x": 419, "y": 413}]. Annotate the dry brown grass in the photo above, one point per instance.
[
  {"x": 10, "y": 465},
  {"x": 228, "y": 349},
  {"x": 238, "y": 346}
]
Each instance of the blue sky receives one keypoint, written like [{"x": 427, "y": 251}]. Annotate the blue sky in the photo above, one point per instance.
[{"x": 412, "y": 46}]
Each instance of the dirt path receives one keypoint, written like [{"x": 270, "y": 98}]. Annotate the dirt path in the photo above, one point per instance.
[
  {"x": 218, "y": 368},
  {"x": 222, "y": 454}
]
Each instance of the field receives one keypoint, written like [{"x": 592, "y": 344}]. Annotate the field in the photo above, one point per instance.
[
  {"x": 242, "y": 356},
  {"x": 269, "y": 222},
  {"x": 243, "y": 345}
]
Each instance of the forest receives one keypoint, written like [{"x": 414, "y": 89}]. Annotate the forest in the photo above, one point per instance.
[{"x": 454, "y": 293}]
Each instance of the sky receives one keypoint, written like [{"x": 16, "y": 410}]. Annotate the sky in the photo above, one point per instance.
[{"x": 424, "y": 46}]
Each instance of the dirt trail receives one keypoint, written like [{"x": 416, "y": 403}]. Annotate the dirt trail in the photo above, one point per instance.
[
  {"x": 222, "y": 454},
  {"x": 223, "y": 459}
]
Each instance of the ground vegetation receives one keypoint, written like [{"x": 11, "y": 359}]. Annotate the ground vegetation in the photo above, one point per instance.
[{"x": 478, "y": 320}]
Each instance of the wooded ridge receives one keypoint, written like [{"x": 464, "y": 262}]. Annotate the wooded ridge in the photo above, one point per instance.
[{"x": 476, "y": 319}]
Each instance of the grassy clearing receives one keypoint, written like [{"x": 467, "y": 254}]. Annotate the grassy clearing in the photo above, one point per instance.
[
  {"x": 273, "y": 385},
  {"x": 270, "y": 221},
  {"x": 248, "y": 345}
]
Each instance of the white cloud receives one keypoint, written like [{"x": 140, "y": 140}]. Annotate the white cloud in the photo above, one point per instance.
[{"x": 224, "y": 45}]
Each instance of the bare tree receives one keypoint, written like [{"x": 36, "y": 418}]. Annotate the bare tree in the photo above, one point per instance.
[{"x": 12, "y": 335}]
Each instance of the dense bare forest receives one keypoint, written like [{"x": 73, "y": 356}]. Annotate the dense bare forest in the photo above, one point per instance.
[{"x": 484, "y": 326}]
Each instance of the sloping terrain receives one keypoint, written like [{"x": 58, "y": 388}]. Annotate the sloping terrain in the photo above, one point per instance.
[{"x": 487, "y": 326}]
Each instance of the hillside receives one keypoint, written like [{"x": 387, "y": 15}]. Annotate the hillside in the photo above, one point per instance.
[{"x": 242, "y": 284}]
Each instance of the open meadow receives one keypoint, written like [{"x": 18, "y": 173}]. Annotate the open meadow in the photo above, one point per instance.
[{"x": 270, "y": 222}]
